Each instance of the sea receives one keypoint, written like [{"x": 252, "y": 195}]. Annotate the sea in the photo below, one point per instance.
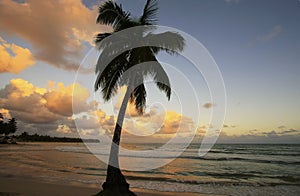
[{"x": 227, "y": 169}]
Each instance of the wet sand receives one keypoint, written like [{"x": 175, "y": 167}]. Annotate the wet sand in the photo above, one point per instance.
[{"x": 14, "y": 186}]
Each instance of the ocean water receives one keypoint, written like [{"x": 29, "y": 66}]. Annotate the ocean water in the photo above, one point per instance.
[{"x": 230, "y": 169}]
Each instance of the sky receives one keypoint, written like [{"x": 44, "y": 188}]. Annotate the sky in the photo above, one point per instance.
[{"x": 255, "y": 44}]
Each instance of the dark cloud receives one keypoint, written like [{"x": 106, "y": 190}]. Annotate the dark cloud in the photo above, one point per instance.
[
  {"x": 208, "y": 105},
  {"x": 277, "y": 133},
  {"x": 271, "y": 137}
]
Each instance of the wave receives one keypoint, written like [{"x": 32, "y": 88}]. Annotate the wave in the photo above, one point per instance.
[
  {"x": 295, "y": 181},
  {"x": 244, "y": 159},
  {"x": 182, "y": 156},
  {"x": 248, "y": 152}
]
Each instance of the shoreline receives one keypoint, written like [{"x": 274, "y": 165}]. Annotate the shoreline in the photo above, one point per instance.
[
  {"x": 48, "y": 169},
  {"x": 13, "y": 186}
]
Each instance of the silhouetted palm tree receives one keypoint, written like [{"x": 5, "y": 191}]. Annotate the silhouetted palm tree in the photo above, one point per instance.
[{"x": 111, "y": 73}]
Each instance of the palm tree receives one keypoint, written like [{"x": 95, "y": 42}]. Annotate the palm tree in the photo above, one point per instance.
[{"x": 111, "y": 74}]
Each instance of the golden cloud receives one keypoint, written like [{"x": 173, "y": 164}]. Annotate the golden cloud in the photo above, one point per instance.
[
  {"x": 177, "y": 123},
  {"x": 59, "y": 100},
  {"x": 63, "y": 129},
  {"x": 153, "y": 123},
  {"x": 5, "y": 113},
  {"x": 130, "y": 110},
  {"x": 55, "y": 29},
  {"x": 20, "y": 59},
  {"x": 40, "y": 105}
]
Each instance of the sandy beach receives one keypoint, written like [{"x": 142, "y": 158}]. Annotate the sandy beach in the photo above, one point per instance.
[
  {"x": 15, "y": 186},
  {"x": 37, "y": 169},
  {"x": 69, "y": 169}
]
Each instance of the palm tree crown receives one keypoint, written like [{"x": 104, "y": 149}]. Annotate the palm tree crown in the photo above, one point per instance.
[{"x": 110, "y": 78}]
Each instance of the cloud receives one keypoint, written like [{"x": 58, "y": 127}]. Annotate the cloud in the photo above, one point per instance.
[
  {"x": 229, "y": 126},
  {"x": 56, "y": 30},
  {"x": 175, "y": 123},
  {"x": 278, "y": 133},
  {"x": 94, "y": 123},
  {"x": 275, "y": 32},
  {"x": 5, "y": 113},
  {"x": 107, "y": 122},
  {"x": 271, "y": 137},
  {"x": 14, "y": 58},
  {"x": 154, "y": 122},
  {"x": 63, "y": 129},
  {"x": 163, "y": 124},
  {"x": 130, "y": 110},
  {"x": 33, "y": 104},
  {"x": 59, "y": 100},
  {"x": 290, "y": 131},
  {"x": 208, "y": 105}
]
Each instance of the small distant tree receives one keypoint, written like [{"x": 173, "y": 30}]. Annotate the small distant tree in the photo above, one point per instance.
[
  {"x": 2, "y": 124},
  {"x": 24, "y": 135},
  {"x": 9, "y": 127}
]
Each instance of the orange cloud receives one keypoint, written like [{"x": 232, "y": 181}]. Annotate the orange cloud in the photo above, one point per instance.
[
  {"x": 177, "y": 123},
  {"x": 59, "y": 100},
  {"x": 156, "y": 124},
  {"x": 20, "y": 60},
  {"x": 153, "y": 123},
  {"x": 130, "y": 111},
  {"x": 5, "y": 113},
  {"x": 40, "y": 105},
  {"x": 107, "y": 122},
  {"x": 55, "y": 29},
  {"x": 63, "y": 129}
]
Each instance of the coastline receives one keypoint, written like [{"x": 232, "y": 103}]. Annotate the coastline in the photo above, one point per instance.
[
  {"x": 13, "y": 186},
  {"x": 69, "y": 169}
]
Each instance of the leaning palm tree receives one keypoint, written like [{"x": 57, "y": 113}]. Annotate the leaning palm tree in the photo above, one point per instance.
[{"x": 117, "y": 59}]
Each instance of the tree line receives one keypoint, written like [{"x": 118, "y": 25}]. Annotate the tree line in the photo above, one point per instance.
[{"x": 25, "y": 137}]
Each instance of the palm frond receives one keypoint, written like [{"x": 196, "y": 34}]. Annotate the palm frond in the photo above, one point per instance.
[
  {"x": 162, "y": 80},
  {"x": 164, "y": 87},
  {"x": 155, "y": 70},
  {"x": 150, "y": 11},
  {"x": 110, "y": 49},
  {"x": 170, "y": 42},
  {"x": 138, "y": 97},
  {"x": 100, "y": 37},
  {"x": 110, "y": 13},
  {"x": 108, "y": 79}
]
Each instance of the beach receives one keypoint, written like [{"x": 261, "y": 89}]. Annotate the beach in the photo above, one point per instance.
[
  {"x": 70, "y": 169},
  {"x": 13, "y": 186}
]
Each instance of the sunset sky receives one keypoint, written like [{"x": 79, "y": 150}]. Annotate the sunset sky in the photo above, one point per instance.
[{"x": 255, "y": 44}]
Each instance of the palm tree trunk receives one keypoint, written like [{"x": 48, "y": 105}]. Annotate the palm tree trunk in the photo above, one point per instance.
[{"x": 115, "y": 180}]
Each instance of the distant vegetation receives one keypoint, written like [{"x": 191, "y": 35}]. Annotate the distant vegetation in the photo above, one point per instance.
[
  {"x": 25, "y": 137},
  {"x": 10, "y": 127}
]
